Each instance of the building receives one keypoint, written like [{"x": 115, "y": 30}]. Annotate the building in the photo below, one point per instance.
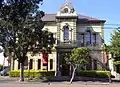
[
  {"x": 114, "y": 67},
  {"x": 70, "y": 30},
  {"x": 3, "y": 60}
]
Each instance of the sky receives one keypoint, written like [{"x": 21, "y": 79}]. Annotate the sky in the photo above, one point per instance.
[{"x": 101, "y": 9}]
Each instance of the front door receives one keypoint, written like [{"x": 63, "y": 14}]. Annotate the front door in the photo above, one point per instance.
[{"x": 65, "y": 68}]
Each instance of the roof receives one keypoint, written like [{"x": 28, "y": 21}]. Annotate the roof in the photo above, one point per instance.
[
  {"x": 49, "y": 17},
  {"x": 52, "y": 17}
]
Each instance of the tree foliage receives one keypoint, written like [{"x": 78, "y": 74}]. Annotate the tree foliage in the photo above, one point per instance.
[
  {"x": 115, "y": 44},
  {"x": 79, "y": 56},
  {"x": 108, "y": 48},
  {"x": 21, "y": 28}
]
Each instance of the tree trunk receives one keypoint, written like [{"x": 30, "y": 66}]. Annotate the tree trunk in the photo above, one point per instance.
[
  {"x": 70, "y": 70},
  {"x": 21, "y": 72},
  {"x": 73, "y": 74}
]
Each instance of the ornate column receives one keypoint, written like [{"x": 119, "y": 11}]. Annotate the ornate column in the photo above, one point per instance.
[
  {"x": 70, "y": 34},
  {"x": 33, "y": 64},
  {"x": 58, "y": 30},
  {"x": 36, "y": 63},
  {"x": 16, "y": 65},
  {"x": 58, "y": 65},
  {"x": 92, "y": 64}
]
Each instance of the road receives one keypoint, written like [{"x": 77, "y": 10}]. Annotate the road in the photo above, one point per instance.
[
  {"x": 12, "y": 82},
  {"x": 54, "y": 85}
]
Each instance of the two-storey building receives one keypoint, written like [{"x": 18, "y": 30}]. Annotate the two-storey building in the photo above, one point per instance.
[{"x": 70, "y": 30}]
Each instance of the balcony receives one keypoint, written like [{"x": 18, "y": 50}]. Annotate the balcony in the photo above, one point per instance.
[
  {"x": 89, "y": 45},
  {"x": 66, "y": 44},
  {"x": 78, "y": 43}
]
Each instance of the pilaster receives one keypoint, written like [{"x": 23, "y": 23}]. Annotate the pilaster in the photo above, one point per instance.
[
  {"x": 12, "y": 64},
  {"x": 58, "y": 30},
  {"x": 92, "y": 64},
  {"x": 74, "y": 30},
  {"x": 16, "y": 65},
  {"x": 33, "y": 64},
  {"x": 36, "y": 64}
]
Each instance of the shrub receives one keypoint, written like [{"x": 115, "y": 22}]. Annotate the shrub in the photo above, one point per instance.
[
  {"x": 32, "y": 73},
  {"x": 94, "y": 73}
]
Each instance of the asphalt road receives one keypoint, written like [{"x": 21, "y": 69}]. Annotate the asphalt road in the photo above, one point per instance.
[
  {"x": 13, "y": 82},
  {"x": 55, "y": 85}
]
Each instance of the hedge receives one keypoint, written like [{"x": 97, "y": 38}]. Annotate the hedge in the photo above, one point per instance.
[
  {"x": 94, "y": 73},
  {"x": 116, "y": 63},
  {"x": 39, "y": 74},
  {"x": 32, "y": 73}
]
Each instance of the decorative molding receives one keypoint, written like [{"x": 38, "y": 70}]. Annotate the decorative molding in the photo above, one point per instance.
[
  {"x": 71, "y": 29},
  {"x": 62, "y": 29}
]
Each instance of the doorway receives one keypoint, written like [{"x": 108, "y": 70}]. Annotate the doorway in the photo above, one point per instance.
[{"x": 65, "y": 68}]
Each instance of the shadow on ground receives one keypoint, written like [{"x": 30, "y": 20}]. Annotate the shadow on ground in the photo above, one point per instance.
[
  {"x": 80, "y": 79},
  {"x": 60, "y": 79}
]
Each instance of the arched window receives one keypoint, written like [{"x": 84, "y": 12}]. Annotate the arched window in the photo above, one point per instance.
[{"x": 66, "y": 33}]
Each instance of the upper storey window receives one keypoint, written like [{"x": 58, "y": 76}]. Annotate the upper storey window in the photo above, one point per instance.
[
  {"x": 66, "y": 33},
  {"x": 88, "y": 37}
]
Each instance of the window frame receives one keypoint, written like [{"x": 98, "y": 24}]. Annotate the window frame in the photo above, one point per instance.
[
  {"x": 31, "y": 64},
  {"x": 66, "y": 37},
  {"x": 51, "y": 66},
  {"x": 39, "y": 64}
]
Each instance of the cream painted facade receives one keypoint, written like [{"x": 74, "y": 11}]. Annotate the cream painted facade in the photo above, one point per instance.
[{"x": 83, "y": 31}]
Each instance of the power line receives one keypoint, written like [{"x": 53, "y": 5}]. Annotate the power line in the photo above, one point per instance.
[
  {"x": 113, "y": 24},
  {"x": 106, "y": 24},
  {"x": 92, "y": 27}
]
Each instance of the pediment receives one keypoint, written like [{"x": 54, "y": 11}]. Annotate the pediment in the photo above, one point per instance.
[{"x": 67, "y": 10}]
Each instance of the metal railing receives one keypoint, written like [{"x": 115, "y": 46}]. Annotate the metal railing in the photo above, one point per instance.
[{"x": 80, "y": 44}]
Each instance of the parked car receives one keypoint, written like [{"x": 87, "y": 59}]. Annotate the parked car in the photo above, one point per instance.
[{"x": 5, "y": 72}]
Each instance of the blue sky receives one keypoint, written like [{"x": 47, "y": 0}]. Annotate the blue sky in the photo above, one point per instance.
[{"x": 102, "y": 9}]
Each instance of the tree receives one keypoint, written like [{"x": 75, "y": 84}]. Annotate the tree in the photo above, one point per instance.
[
  {"x": 21, "y": 30},
  {"x": 115, "y": 48},
  {"x": 79, "y": 57},
  {"x": 115, "y": 43}
]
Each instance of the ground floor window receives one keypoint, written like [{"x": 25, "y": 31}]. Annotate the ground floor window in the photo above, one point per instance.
[
  {"x": 31, "y": 64},
  {"x": 95, "y": 64},
  {"x": 51, "y": 64},
  {"x": 39, "y": 63},
  {"x": 117, "y": 68}
]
